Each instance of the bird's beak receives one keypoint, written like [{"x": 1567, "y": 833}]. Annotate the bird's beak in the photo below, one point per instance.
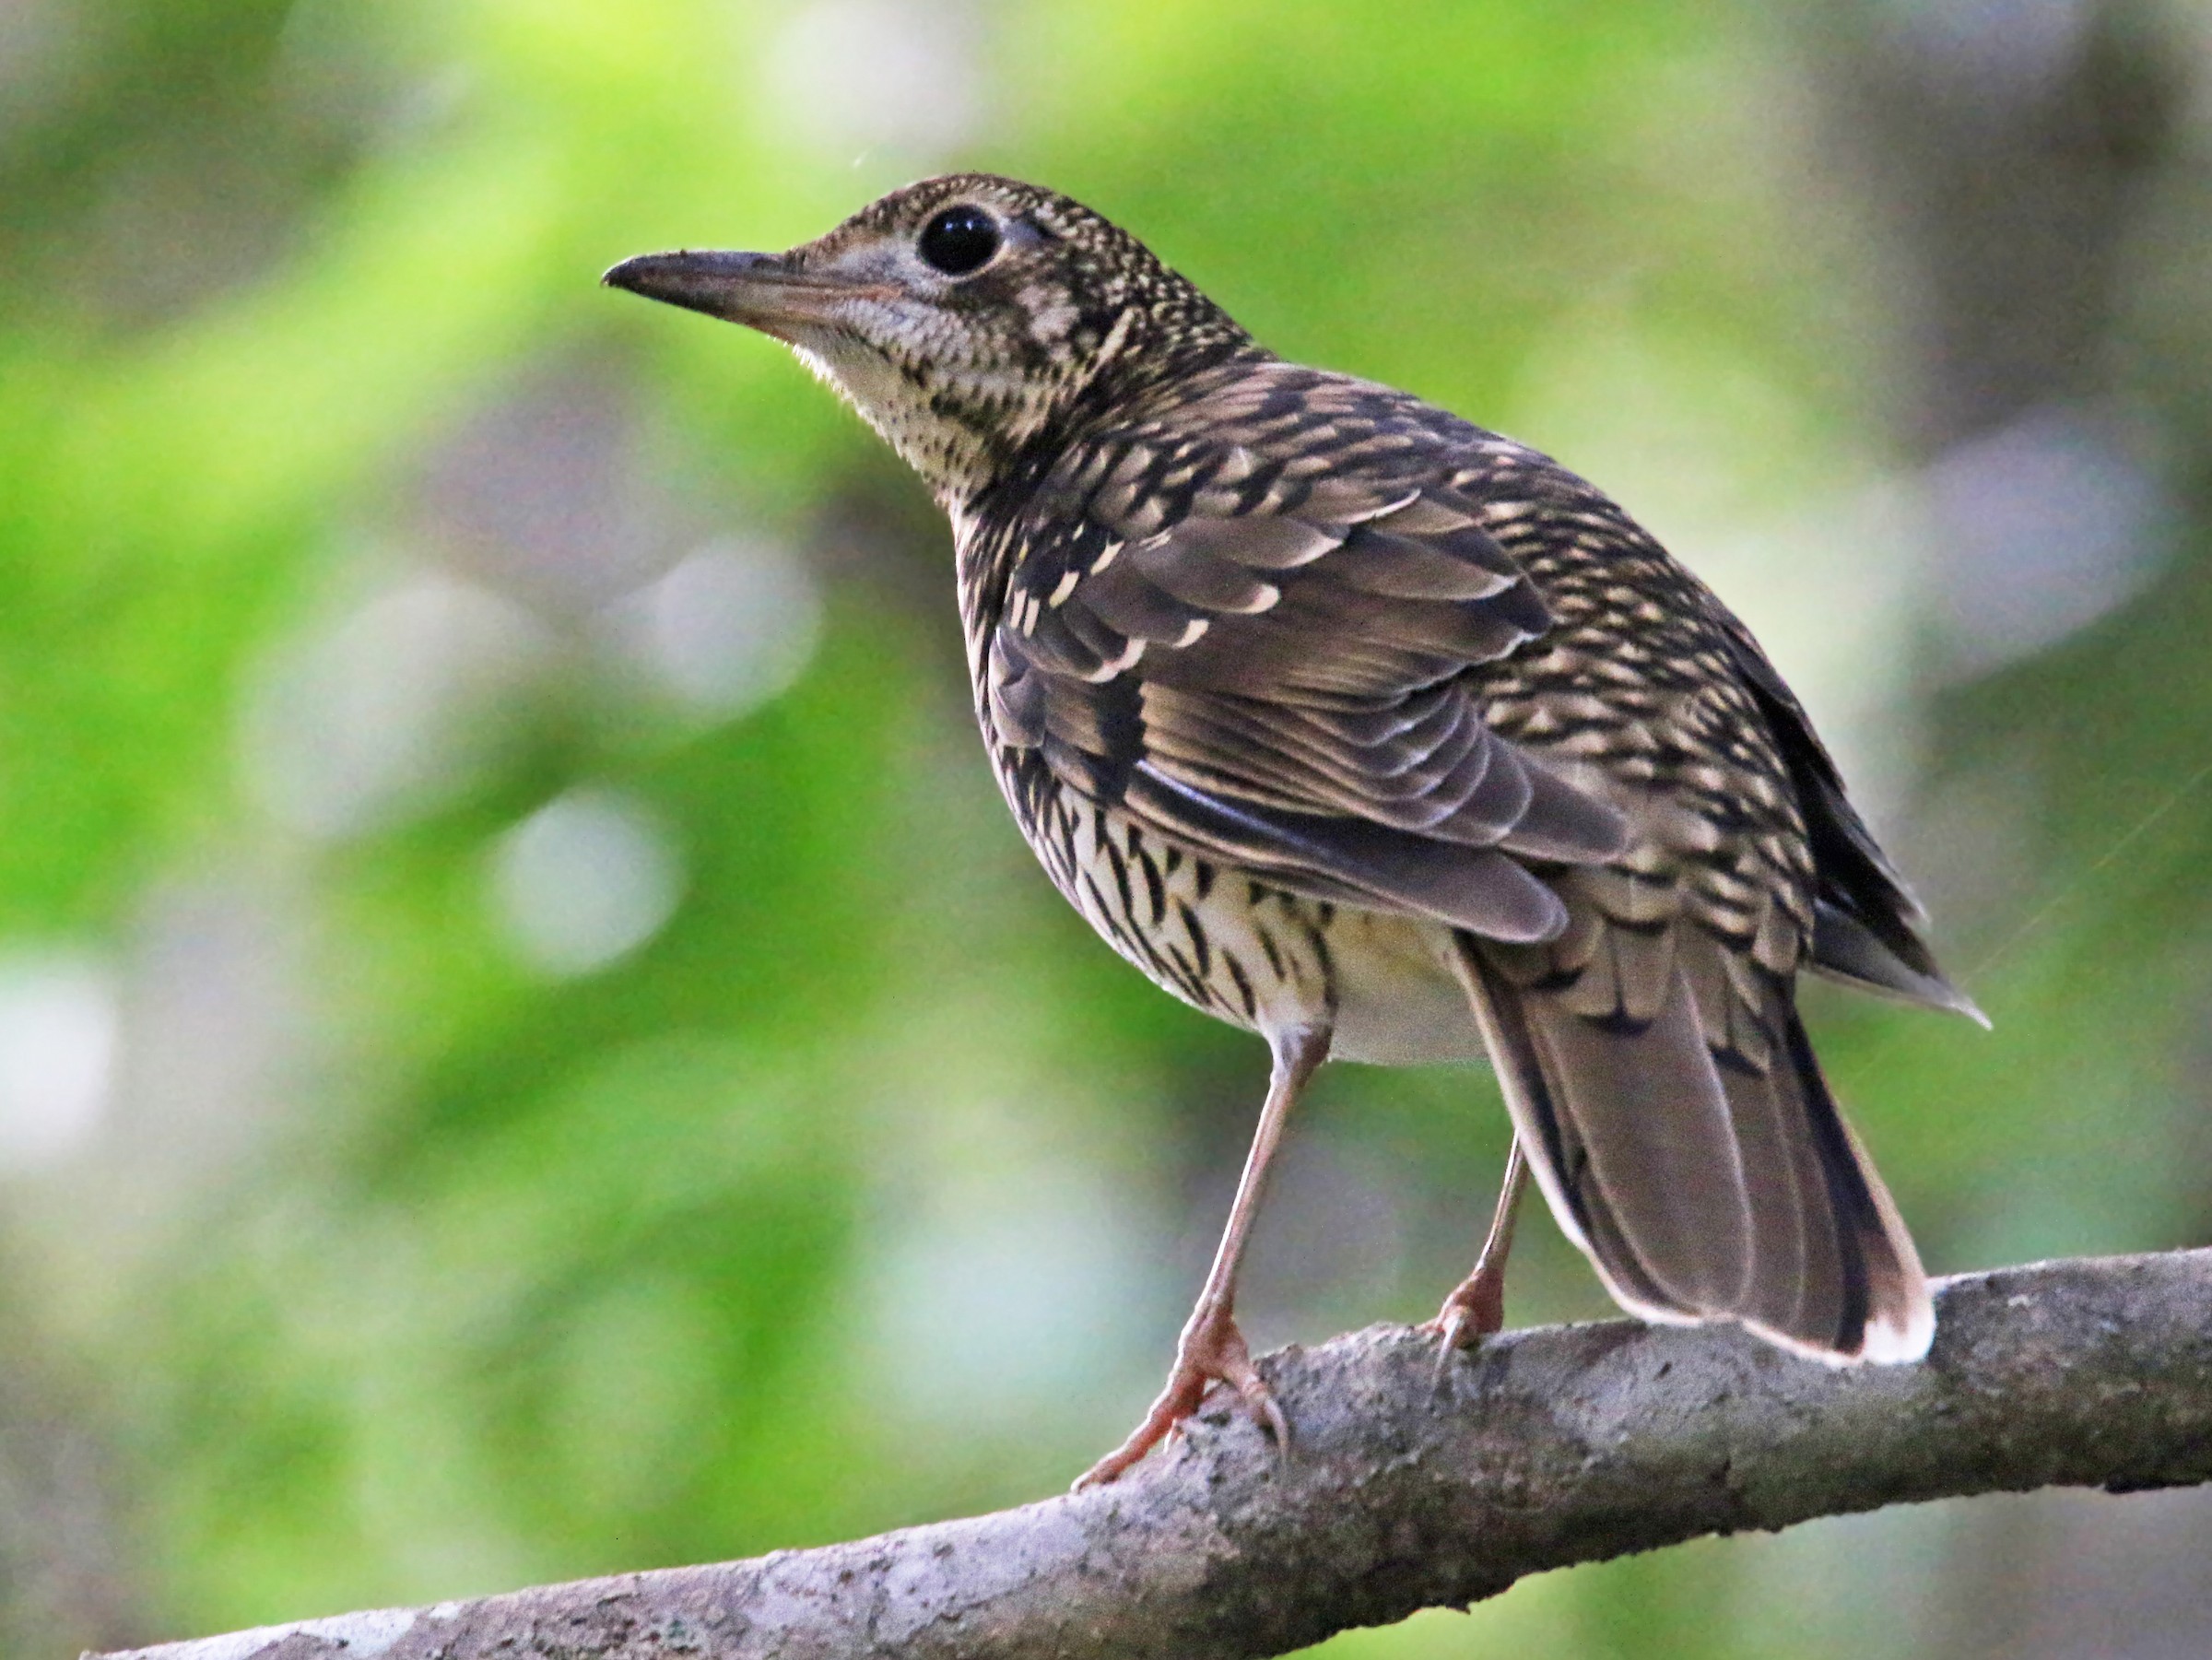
[{"x": 761, "y": 290}]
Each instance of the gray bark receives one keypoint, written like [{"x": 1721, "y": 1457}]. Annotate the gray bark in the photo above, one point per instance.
[{"x": 1539, "y": 1449}]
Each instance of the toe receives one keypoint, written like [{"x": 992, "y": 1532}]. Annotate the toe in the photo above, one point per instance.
[{"x": 1212, "y": 1351}]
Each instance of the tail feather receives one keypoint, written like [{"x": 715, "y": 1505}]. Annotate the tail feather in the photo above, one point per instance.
[{"x": 1705, "y": 1187}]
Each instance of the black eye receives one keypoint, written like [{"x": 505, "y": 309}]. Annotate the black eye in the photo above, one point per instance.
[{"x": 959, "y": 240}]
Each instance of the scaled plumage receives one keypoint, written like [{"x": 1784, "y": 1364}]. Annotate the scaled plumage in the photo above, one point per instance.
[{"x": 1379, "y": 733}]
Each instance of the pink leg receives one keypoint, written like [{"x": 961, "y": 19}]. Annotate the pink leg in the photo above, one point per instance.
[
  {"x": 1212, "y": 1349},
  {"x": 1476, "y": 1307}
]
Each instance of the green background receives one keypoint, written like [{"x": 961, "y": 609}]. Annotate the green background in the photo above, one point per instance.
[{"x": 528, "y": 1045}]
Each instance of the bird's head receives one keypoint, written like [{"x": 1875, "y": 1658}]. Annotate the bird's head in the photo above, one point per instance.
[{"x": 964, "y": 316}]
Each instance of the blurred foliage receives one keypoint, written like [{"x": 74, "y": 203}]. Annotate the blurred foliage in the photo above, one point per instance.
[{"x": 528, "y": 1045}]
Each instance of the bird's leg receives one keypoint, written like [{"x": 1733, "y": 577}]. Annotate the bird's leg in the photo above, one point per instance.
[
  {"x": 1211, "y": 1349},
  {"x": 1477, "y": 1306}
]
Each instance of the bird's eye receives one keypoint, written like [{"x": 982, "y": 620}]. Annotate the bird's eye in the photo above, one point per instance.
[{"x": 959, "y": 240}]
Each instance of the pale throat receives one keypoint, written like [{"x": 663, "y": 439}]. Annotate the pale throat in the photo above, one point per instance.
[{"x": 954, "y": 423}]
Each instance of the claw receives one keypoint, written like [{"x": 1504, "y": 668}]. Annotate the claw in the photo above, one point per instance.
[
  {"x": 1271, "y": 1418},
  {"x": 1259, "y": 1402},
  {"x": 1451, "y": 1328}
]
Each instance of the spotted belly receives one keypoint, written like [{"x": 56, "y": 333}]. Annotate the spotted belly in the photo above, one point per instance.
[{"x": 1252, "y": 953}]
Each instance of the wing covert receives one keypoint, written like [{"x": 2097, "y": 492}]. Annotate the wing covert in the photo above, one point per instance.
[{"x": 1274, "y": 675}]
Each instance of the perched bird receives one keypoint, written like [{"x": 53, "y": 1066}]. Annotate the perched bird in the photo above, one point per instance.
[{"x": 1384, "y": 737}]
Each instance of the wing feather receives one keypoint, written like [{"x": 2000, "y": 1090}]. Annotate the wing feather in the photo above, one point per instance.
[{"x": 1286, "y": 686}]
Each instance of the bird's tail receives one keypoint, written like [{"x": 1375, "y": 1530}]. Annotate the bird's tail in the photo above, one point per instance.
[{"x": 1703, "y": 1186}]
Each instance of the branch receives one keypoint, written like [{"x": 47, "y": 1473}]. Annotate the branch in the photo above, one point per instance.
[{"x": 1539, "y": 1449}]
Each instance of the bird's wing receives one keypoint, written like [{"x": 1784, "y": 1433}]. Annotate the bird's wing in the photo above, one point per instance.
[
  {"x": 1868, "y": 928},
  {"x": 1267, "y": 666}
]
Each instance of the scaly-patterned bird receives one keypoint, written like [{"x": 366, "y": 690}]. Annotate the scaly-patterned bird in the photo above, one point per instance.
[{"x": 1384, "y": 736}]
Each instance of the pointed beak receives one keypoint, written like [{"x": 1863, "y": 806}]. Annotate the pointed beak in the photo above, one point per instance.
[{"x": 761, "y": 290}]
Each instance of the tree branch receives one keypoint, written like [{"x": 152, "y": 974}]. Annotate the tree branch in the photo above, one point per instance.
[{"x": 1539, "y": 1449}]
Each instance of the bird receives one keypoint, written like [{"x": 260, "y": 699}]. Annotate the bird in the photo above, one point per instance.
[{"x": 1385, "y": 738}]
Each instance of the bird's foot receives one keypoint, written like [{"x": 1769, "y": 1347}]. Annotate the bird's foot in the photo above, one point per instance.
[
  {"x": 1475, "y": 1309},
  {"x": 1211, "y": 1351}
]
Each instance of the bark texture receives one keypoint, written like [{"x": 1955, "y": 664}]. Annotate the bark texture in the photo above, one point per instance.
[{"x": 1539, "y": 1449}]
